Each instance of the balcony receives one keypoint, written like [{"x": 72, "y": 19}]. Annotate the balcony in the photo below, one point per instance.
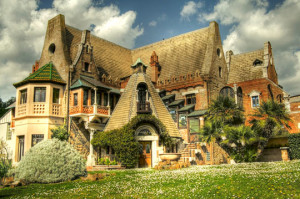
[
  {"x": 39, "y": 109},
  {"x": 143, "y": 108},
  {"x": 89, "y": 110}
]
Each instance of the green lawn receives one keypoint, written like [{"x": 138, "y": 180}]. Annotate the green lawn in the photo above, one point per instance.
[{"x": 255, "y": 180}]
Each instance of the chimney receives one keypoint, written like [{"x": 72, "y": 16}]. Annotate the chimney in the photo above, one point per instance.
[
  {"x": 35, "y": 66},
  {"x": 155, "y": 67}
]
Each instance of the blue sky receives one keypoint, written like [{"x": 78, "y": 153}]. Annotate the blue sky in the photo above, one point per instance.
[{"x": 244, "y": 26}]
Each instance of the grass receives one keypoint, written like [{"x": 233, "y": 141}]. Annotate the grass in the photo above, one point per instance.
[{"x": 252, "y": 180}]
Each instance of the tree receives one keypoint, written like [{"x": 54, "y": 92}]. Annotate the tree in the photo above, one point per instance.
[
  {"x": 60, "y": 133},
  {"x": 5, "y": 163}
]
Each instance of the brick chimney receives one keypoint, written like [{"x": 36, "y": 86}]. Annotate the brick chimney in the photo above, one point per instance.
[
  {"x": 35, "y": 66},
  {"x": 155, "y": 67}
]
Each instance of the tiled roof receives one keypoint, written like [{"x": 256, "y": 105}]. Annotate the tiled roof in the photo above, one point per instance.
[
  {"x": 47, "y": 73},
  {"x": 242, "y": 68},
  {"x": 186, "y": 108},
  {"x": 176, "y": 102},
  {"x": 89, "y": 82},
  {"x": 197, "y": 113},
  {"x": 178, "y": 55},
  {"x": 168, "y": 97}
]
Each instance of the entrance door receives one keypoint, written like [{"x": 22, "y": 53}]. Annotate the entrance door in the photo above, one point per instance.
[
  {"x": 145, "y": 154},
  {"x": 21, "y": 148}
]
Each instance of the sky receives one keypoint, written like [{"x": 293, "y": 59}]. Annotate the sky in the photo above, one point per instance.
[{"x": 244, "y": 26}]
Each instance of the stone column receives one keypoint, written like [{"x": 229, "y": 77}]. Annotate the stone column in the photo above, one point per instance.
[
  {"x": 95, "y": 101},
  {"x": 91, "y": 156}
]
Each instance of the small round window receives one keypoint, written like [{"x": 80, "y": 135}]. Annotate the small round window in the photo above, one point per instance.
[
  {"x": 219, "y": 52},
  {"x": 52, "y": 48}
]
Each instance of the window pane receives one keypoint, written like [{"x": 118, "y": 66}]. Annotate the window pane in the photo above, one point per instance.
[
  {"x": 194, "y": 125},
  {"x": 173, "y": 114},
  {"x": 85, "y": 97},
  {"x": 93, "y": 97},
  {"x": 36, "y": 139},
  {"x": 105, "y": 99},
  {"x": 40, "y": 94},
  {"x": 255, "y": 101},
  {"x": 55, "y": 95},
  {"x": 23, "y": 96},
  {"x": 182, "y": 120},
  {"x": 99, "y": 96},
  {"x": 191, "y": 99},
  {"x": 75, "y": 99}
]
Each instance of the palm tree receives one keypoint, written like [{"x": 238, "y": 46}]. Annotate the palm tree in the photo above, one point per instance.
[
  {"x": 225, "y": 110},
  {"x": 211, "y": 131},
  {"x": 269, "y": 117}
]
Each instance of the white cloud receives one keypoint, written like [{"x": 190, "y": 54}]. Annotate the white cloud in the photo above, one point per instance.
[
  {"x": 23, "y": 26},
  {"x": 153, "y": 23},
  {"x": 253, "y": 24},
  {"x": 189, "y": 9}
]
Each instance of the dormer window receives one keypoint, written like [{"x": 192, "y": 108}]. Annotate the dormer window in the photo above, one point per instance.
[
  {"x": 86, "y": 67},
  {"x": 257, "y": 62},
  {"x": 191, "y": 99}
]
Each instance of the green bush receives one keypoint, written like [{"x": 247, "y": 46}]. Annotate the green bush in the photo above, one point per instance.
[
  {"x": 294, "y": 144},
  {"x": 50, "y": 161},
  {"x": 60, "y": 133}
]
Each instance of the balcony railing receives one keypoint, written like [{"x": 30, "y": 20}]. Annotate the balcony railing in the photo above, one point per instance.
[
  {"x": 39, "y": 109},
  {"x": 143, "y": 108},
  {"x": 91, "y": 109}
]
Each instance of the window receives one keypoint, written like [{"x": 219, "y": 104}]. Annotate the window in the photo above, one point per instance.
[
  {"x": 270, "y": 92},
  {"x": 219, "y": 52},
  {"x": 40, "y": 94},
  {"x": 99, "y": 97},
  {"x": 92, "y": 97},
  {"x": 144, "y": 132},
  {"x": 56, "y": 95},
  {"x": 105, "y": 99},
  {"x": 85, "y": 97},
  {"x": 142, "y": 91},
  {"x": 75, "y": 99},
  {"x": 191, "y": 99},
  {"x": 194, "y": 125},
  {"x": 86, "y": 67},
  {"x": 257, "y": 62},
  {"x": 279, "y": 98},
  {"x": 173, "y": 114},
  {"x": 182, "y": 121},
  {"x": 227, "y": 92},
  {"x": 23, "y": 96},
  {"x": 240, "y": 97},
  {"x": 207, "y": 156},
  {"x": 36, "y": 138},
  {"x": 255, "y": 101},
  {"x": 220, "y": 71}
]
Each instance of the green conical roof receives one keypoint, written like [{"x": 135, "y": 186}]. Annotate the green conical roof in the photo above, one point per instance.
[{"x": 47, "y": 73}]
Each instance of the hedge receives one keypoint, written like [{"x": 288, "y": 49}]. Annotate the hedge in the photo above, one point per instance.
[{"x": 294, "y": 144}]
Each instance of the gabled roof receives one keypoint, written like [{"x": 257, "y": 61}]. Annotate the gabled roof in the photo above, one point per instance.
[
  {"x": 242, "y": 68},
  {"x": 126, "y": 108},
  {"x": 47, "y": 73}
]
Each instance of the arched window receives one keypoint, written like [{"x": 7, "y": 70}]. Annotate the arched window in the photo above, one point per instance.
[
  {"x": 270, "y": 92},
  {"x": 240, "y": 97},
  {"x": 227, "y": 92},
  {"x": 142, "y": 92}
]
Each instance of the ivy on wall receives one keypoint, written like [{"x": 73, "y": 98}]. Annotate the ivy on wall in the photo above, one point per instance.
[{"x": 124, "y": 141}]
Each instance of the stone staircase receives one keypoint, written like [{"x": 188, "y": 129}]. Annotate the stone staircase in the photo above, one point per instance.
[{"x": 188, "y": 154}]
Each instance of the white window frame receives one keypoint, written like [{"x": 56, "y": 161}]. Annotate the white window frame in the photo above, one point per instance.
[{"x": 255, "y": 94}]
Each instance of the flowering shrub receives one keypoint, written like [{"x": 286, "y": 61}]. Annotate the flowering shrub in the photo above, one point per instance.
[{"x": 50, "y": 161}]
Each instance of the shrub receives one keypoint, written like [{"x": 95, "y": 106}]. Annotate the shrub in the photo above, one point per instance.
[
  {"x": 294, "y": 144},
  {"x": 50, "y": 161},
  {"x": 60, "y": 133}
]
